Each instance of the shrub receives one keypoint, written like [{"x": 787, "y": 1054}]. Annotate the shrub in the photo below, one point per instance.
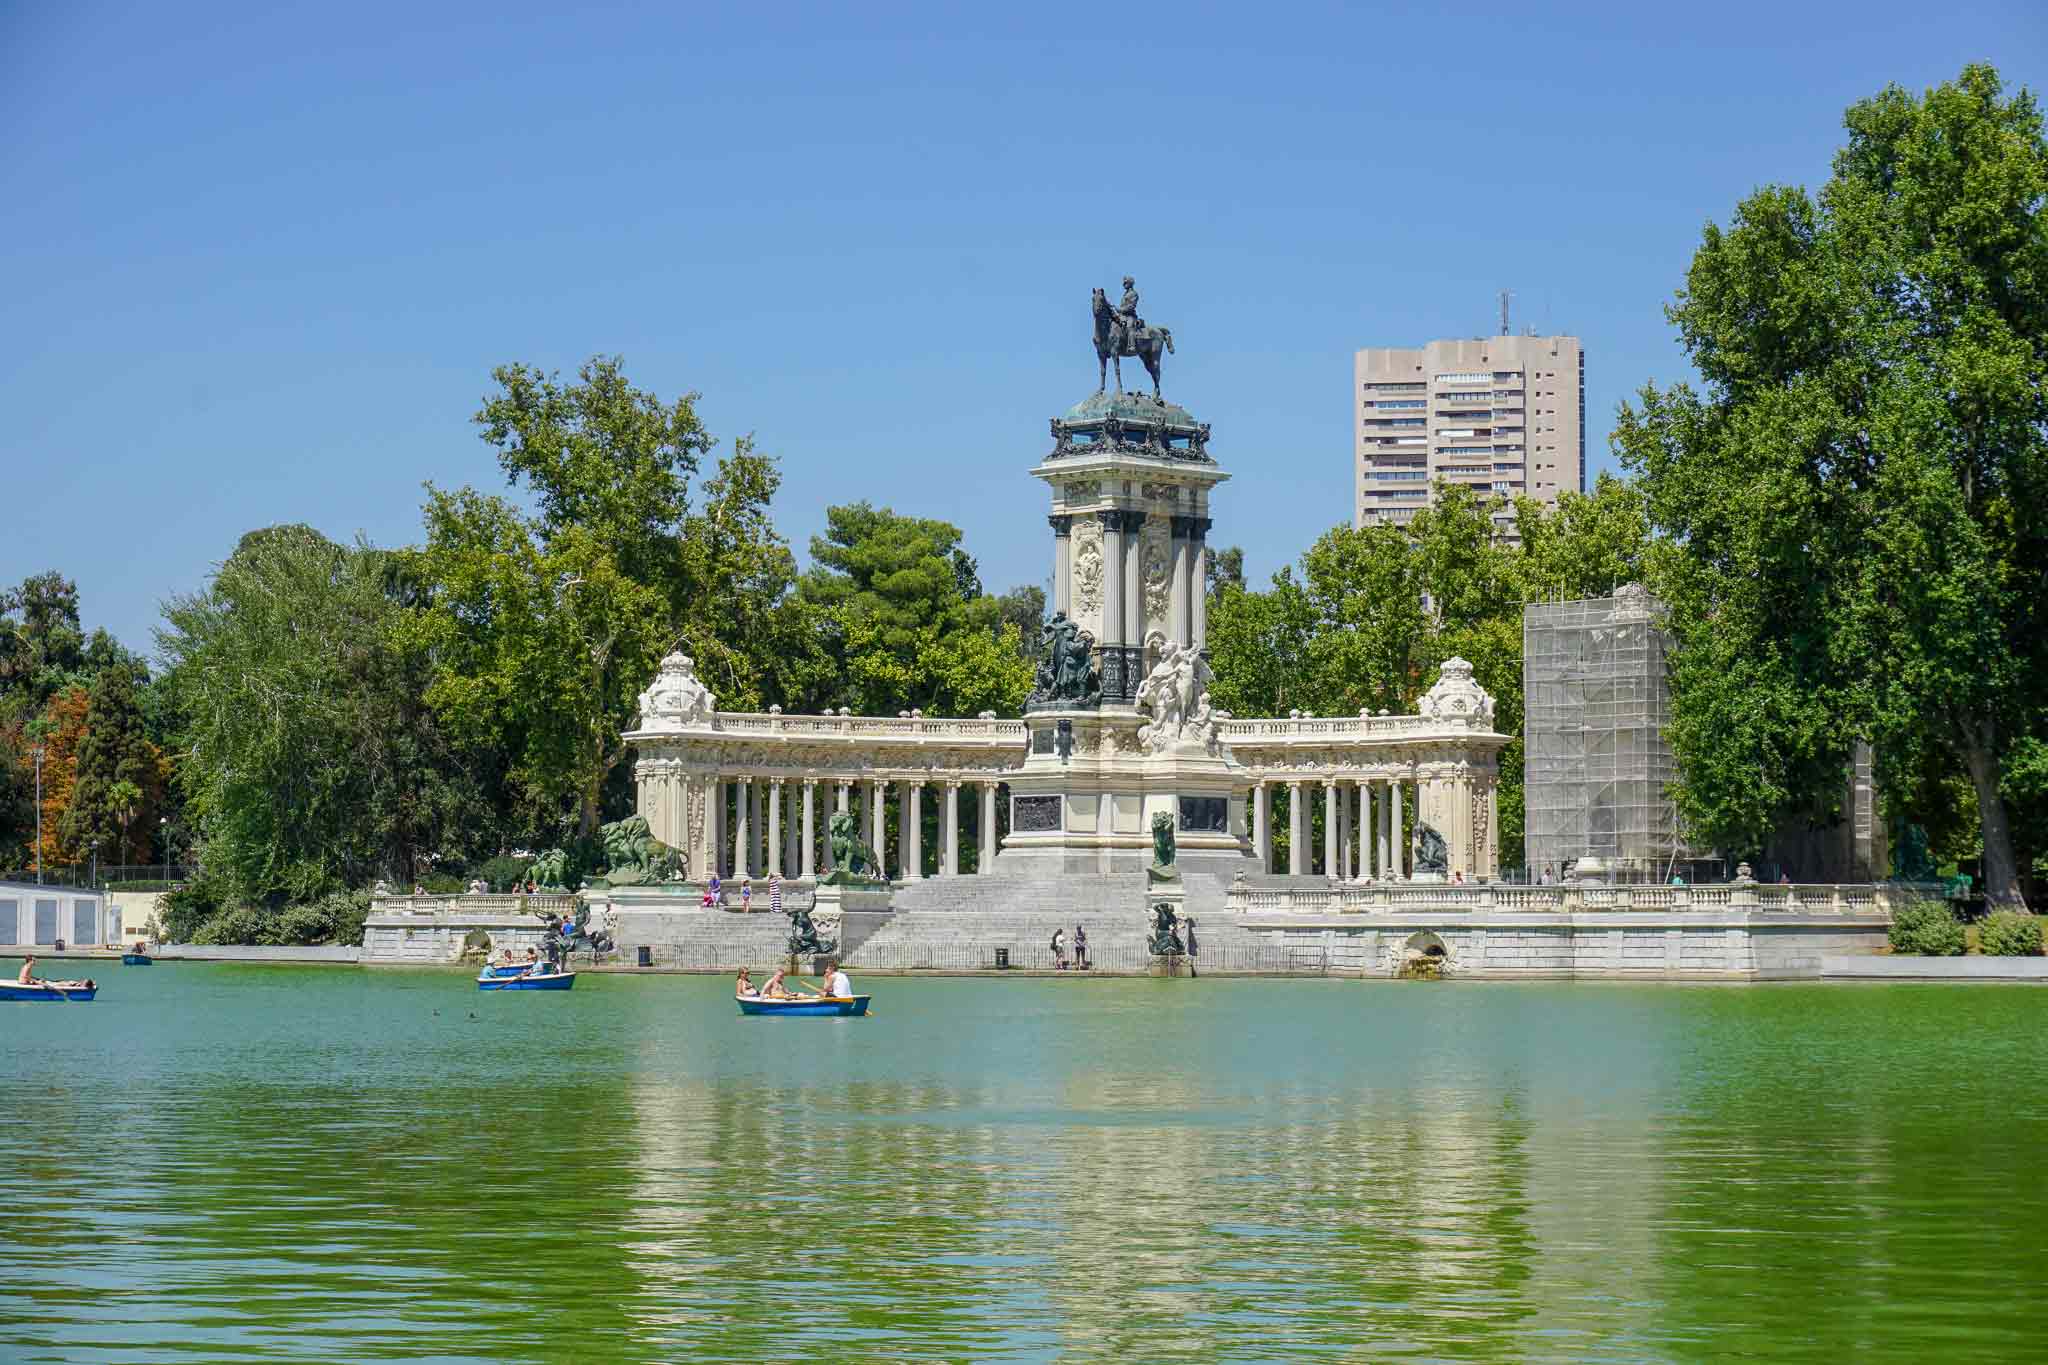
[
  {"x": 302, "y": 924},
  {"x": 1928, "y": 928},
  {"x": 183, "y": 911},
  {"x": 443, "y": 884},
  {"x": 346, "y": 911},
  {"x": 144, "y": 886},
  {"x": 242, "y": 924},
  {"x": 2011, "y": 933}
]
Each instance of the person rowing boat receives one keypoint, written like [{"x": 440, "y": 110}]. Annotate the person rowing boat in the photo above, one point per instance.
[{"x": 27, "y": 977}]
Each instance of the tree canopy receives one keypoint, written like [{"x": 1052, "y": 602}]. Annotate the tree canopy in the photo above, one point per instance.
[{"x": 1850, "y": 546}]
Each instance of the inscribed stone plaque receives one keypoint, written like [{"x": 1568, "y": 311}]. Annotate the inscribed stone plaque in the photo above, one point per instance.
[
  {"x": 1205, "y": 814},
  {"x": 1041, "y": 743},
  {"x": 1034, "y": 814}
]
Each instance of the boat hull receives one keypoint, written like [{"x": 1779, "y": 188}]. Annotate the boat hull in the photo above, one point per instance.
[
  {"x": 12, "y": 990},
  {"x": 840, "y": 1007},
  {"x": 554, "y": 981},
  {"x": 137, "y": 960}
]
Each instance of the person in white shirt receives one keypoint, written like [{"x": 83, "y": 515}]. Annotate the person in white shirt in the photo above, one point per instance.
[{"x": 837, "y": 983}]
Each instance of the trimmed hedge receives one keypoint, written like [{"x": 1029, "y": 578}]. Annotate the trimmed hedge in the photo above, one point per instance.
[
  {"x": 1928, "y": 928},
  {"x": 2011, "y": 933},
  {"x": 144, "y": 886}
]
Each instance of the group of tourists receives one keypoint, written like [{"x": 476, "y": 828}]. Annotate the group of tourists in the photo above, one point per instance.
[
  {"x": 1059, "y": 949},
  {"x": 834, "y": 985},
  {"x": 533, "y": 962},
  {"x": 714, "y": 893}
]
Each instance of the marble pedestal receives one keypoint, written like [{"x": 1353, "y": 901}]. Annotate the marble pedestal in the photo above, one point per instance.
[{"x": 1089, "y": 788}]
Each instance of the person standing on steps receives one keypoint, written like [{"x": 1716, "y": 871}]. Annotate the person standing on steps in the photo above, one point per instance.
[
  {"x": 1080, "y": 949},
  {"x": 1059, "y": 950}
]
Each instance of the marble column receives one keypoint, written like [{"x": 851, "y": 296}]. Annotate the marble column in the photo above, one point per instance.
[
  {"x": 1181, "y": 624},
  {"x": 1297, "y": 831},
  {"x": 1262, "y": 824},
  {"x": 1198, "y": 569},
  {"x": 903, "y": 868},
  {"x": 758, "y": 826},
  {"x": 1397, "y": 847},
  {"x": 950, "y": 818},
  {"x": 914, "y": 832},
  {"x": 775, "y": 824},
  {"x": 1062, "y": 562},
  {"x": 1333, "y": 831},
  {"x": 719, "y": 826},
  {"x": 1115, "y": 687},
  {"x": 1363, "y": 870},
  {"x": 839, "y": 804},
  {"x": 742, "y": 833},
  {"x": 810, "y": 862},
  {"x": 1134, "y": 581},
  {"x": 986, "y": 863}
]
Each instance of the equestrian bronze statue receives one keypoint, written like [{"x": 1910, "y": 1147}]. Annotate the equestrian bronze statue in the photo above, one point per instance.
[{"x": 1120, "y": 332}]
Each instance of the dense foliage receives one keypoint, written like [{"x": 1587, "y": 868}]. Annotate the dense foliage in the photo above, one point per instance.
[
  {"x": 1928, "y": 928},
  {"x": 1850, "y": 504},
  {"x": 2010, "y": 933}
]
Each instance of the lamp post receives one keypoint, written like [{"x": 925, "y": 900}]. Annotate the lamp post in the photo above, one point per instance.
[
  {"x": 38, "y": 751},
  {"x": 163, "y": 835}
]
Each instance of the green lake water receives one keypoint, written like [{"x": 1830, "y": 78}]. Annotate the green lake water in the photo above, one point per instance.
[{"x": 221, "y": 1162}]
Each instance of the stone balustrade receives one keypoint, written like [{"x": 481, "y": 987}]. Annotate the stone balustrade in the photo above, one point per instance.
[
  {"x": 1395, "y": 897},
  {"x": 472, "y": 903}
]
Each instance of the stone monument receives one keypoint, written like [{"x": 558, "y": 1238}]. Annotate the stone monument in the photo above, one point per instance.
[{"x": 1121, "y": 731}]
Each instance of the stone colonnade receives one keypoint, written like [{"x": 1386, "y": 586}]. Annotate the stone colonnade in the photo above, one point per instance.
[
  {"x": 760, "y": 823},
  {"x": 1363, "y": 822}
]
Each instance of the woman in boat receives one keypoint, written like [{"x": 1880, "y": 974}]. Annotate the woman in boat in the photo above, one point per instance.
[{"x": 742, "y": 988}]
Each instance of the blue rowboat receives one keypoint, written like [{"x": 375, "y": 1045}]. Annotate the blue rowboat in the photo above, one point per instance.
[
  {"x": 48, "y": 990},
  {"x": 137, "y": 960},
  {"x": 553, "y": 981},
  {"x": 827, "y": 1007}
]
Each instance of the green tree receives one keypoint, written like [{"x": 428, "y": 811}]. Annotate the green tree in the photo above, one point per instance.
[
  {"x": 1222, "y": 569},
  {"x": 603, "y": 458},
  {"x": 310, "y": 760},
  {"x": 752, "y": 646},
  {"x": 540, "y": 649},
  {"x": 903, "y": 620},
  {"x": 1849, "y": 501},
  {"x": 119, "y": 769}
]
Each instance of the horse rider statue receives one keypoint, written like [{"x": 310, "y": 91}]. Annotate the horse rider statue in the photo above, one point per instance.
[
  {"x": 1129, "y": 325},
  {"x": 1120, "y": 332}
]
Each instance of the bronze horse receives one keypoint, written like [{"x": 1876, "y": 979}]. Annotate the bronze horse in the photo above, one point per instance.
[{"x": 1150, "y": 343}]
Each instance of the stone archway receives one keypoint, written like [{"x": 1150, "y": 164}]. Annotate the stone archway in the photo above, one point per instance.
[{"x": 1423, "y": 956}]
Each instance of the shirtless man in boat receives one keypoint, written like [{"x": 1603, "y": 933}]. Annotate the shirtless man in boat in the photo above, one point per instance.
[
  {"x": 778, "y": 988},
  {"x": 28, "y": 973}
]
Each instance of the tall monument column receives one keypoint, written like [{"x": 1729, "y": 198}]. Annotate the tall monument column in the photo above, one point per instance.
[
  {"x": 1062, "y": 563},
  {"x": 1198, "y": 584},
  {"x": 1109, "y": 644}
]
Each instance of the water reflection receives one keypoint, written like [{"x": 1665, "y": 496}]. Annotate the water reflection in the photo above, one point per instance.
[{"x": 347, "y": 1166}]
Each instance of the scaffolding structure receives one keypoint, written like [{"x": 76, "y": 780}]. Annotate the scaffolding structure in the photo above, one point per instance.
[{"x": 1596, "y": 699}]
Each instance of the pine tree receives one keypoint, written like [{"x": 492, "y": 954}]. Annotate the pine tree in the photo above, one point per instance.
[{"x": 118, "y": 772}]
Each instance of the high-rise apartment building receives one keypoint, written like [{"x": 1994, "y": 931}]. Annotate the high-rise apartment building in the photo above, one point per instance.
[{"x": 1503, "y": 414}]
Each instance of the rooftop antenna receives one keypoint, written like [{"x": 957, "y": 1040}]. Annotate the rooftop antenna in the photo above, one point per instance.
[{"x": 1505, "y": 295}]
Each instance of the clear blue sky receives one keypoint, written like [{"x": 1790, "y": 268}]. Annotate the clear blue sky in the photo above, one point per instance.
[{"x": 258, "y": 265}]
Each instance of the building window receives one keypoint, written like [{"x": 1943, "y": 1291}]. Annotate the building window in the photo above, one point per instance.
[{"x": 1465, "y": 377}]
